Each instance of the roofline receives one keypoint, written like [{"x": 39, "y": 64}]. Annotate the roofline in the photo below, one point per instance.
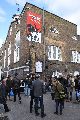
[{"x": 45, "y": 11}]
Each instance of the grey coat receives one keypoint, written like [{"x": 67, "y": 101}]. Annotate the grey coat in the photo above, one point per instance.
[{"x": 37, "y": 88}]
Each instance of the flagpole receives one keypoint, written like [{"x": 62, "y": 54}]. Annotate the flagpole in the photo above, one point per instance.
[{"x": 44, "y": 42}]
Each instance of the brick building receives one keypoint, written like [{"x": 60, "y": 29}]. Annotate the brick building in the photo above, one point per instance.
[{"x": 39, "y": 41}]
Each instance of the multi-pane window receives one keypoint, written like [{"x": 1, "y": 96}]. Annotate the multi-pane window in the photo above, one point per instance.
[
  {"x": 16, "y": 55},
  {"x": 5, "y": 58},
  {"x": 75, "y": 57},
  {"x": 17, "y": 45},
  {"x": 9, "y": 53},
  {"x": 10, "y": 30},
  {"x": 54, "y": 53},
  {"x": 78, "y": 57}
]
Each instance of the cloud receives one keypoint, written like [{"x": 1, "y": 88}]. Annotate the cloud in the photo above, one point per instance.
[{"x": 2, "y": 15}]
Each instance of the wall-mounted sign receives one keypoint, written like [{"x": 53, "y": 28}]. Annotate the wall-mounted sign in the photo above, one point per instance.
[
  {"x": 38, "y": 66},
  {"x": 34, "y": 25}
]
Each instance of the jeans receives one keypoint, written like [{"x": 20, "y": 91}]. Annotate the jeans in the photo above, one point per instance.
[
  {"x": 37, "y": 100},
  {"x": 27, "y": 90},
  {"x": 59, "y": 103}
]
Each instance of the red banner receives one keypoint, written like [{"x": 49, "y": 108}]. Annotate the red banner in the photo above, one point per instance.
[{"x": 34, "y": 25}]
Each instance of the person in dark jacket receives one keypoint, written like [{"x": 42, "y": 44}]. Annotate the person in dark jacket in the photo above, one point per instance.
[
  {"x": 58, "y": 88},
  {"x": 3, "y": 96},
  {"x": 8, "y": 86},
  {"x": 31, "y": 92},
  {"x": 38, "y": 95},
  {"x": 16, "y": 87}
]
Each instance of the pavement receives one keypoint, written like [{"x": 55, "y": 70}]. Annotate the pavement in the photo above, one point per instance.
[{"x": 21, "y": 111}]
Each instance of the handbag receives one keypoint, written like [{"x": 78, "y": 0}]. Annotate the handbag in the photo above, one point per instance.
[
  {"x": 78, "y": 94},
  {"x": 11, "y": 92}
]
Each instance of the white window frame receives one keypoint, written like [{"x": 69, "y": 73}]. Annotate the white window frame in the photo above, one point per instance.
[
  {"x": 9, "y": 53},
  {"x": 5, "y": 58},
  {"x": 54, "y": 52},
  {"x": 16, "y": 54},
  {"x": 10, "y": 30},
  {"x": 17, "y": 38},
  {"x": 17, "y": 47},
  {"x": 74, "y": 56}
]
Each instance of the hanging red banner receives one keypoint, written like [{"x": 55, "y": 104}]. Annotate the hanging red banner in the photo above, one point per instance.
[{"x": 34, "y": 25}]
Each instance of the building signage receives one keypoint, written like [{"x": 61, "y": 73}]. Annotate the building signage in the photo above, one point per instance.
[
  {"x": 38, "y": 66},
  {"x": 34, "y": 25}
]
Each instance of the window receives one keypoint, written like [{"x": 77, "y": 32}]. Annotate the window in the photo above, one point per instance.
[
  {"x": 78, "y": 57},
  {"x": 10, "y": 30},
  {"x": 54, "y": 53},
  {"x": 16, "y": 55},
  {"x": 17, "y": 45},
  {"x": 17, "y": 38},
  {"x": 5, "y": 58},
  {"x": 75, "y": 57},
  {"x": 9, "y": 53}
]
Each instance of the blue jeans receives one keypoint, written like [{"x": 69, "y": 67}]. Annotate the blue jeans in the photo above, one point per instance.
[{"x": 37, "y": 100}]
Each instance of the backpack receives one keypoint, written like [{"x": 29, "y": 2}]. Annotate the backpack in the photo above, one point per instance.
[
  {"x": 62, "y": 95},
  {"x": 61, "y": 91}
]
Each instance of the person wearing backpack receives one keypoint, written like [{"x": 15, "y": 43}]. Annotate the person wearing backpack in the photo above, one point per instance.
[{"x": 59, "y": 96}]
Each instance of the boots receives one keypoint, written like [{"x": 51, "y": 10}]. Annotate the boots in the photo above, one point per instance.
[{"x": 6, "y": 108}]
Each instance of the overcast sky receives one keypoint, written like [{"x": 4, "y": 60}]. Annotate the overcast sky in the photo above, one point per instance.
[{"x": 67, "y": 9}]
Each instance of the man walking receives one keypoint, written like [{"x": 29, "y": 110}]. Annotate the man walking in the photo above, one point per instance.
[
  {"x": 16, "y": 87},
  {"x": 38, "y": 95}
]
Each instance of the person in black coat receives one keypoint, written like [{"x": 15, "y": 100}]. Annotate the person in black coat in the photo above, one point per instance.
[
  {"x": 31, "y": 92},
  {"x": 3, "y": 96},
  {"x": 16, "y": 87}
]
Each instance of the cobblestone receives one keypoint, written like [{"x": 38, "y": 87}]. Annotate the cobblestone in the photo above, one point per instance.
[{"x": 21, "y": 111}]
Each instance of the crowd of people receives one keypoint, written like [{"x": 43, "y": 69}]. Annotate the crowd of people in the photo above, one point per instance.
[{"x": 61, "y": 89}]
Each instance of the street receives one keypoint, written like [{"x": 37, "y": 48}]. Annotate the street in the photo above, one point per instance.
[{"x": 21, "y": 111}]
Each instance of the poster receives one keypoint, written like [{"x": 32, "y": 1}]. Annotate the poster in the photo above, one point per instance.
[
  {"x": 38, "y": 66},
  {"x": 34, "y": 25}
]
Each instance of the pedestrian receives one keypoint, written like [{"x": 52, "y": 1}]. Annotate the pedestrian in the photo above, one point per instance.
[
  {"x": 8, "y": 86},
  {"x": 3, "y": 96},
  {"x": 38, "y": 95},
  {"x": 16, "y": 87},
  {"x": 31, "y": 91},
  {"x": 27, "y": 85},
  {"x": 58, "y": 89},
  {"x": 69, "y": 87}
]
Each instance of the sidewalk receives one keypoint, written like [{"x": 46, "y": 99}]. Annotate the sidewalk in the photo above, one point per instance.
[{"x": 21, "y": 111}]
